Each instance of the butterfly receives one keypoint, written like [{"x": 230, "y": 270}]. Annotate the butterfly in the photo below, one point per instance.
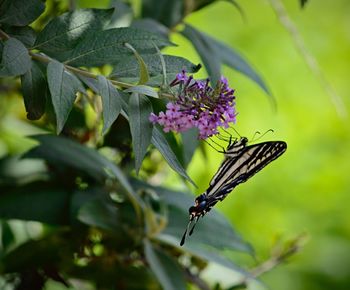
[{"x": 241, "y": 162}]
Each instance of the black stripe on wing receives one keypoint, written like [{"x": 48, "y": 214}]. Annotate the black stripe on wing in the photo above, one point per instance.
[{"x": 244, "y": 165}]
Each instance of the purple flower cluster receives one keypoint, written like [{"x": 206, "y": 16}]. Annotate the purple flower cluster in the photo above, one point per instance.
[{"x": 198, "y": 105}]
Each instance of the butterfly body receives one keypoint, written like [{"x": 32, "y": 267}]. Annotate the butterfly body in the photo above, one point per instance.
[{"x": 241, "y": 162}]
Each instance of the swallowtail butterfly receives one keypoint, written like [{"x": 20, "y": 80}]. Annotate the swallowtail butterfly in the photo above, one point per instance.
[{"x": 241, "y": 162}]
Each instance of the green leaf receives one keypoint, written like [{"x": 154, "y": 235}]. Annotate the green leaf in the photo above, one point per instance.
[
  {"x": 101, "y": 214},
  {"x": 167, "y": 12},
  {"x": 110, "y": 101},
  {"x": 212, "y": 231},
  {"x": 15, "y": 58},
  {"x": 143, "y": 71},
  {"x": 25, "y": 34},
  {"x": 213, "y": 53},
  {"x": 59, "y": 150},
  {"x": 233, "y": 59},
  {"x": 20, "y": 12},
  {"x": 206, "y": 51},
  {"x": 140, "y": 109},
  {"x": 34, "y": 90},
  {"x": 102, "y": 47},
  {"x": 34, "y": 203},
  {"x": 160, "y": 142},
  {"x": 144, "y": 90},
  {"x": 7, "y": 236},
  {"x": 60, "y": 37},
  {"x": 63, "y": 87},
  {"x": 189, "y": 144},
  {"x": 167, "y": 271},
  {"x": 127, "y": 67}
]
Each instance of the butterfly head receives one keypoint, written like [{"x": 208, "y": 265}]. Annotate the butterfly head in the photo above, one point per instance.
[{"x": 200, "y": 205}]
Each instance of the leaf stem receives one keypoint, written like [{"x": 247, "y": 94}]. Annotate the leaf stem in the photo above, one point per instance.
[{"x": 310, "y": 60}]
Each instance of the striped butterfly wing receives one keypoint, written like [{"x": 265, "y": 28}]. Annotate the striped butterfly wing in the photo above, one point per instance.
[{"x": 241, "y": 162}]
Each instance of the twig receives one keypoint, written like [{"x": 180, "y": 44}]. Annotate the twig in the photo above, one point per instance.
[
  {"x": 196, "y": 280},
  {"x": 310, "y": 60}
]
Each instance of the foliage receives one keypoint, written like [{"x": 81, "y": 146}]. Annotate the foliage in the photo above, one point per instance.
[{"x": 97, "y": 83}]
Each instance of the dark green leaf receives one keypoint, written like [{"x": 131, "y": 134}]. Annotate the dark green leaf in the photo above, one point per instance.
[
  {"x": 59, "y": 150},
  {"x": 20, "y": 12},
  {"x": 100, "y": 214},
  {"x": 234, "y": 60},
  {"x": 101, "y": 47},
  {"x": 302, "y": 3},
  {"x": 142, "y": 89},
  {"x": 167, "y": 271},
  {"x": 206, "y": 50},
  {"x": 128, "y": 67},
  {"x": 143, "y": 71},
  {"x": 15, "y": 58},
  {"x": 60, "y": 37},
  {"x": 123, "y": 13},
  {"x": 63, "y": 87},
  {"x": 140, "y": 109},
  {"x": 151, "y": 25},
  {"x": 212, "y": 231},
  {"x": 213, "y": 53},
  {"x": 160, "y": 142},
  {"x": 110, "y": 101},
  {"x": 35, "y": 204},
  {"x": 25, "y": 34},
  {"x": 34, "y": 90},
  {"x": 168, "y": 12},
  {"x": 189, "y": 144},
  {"x": 7, "y": 236}
]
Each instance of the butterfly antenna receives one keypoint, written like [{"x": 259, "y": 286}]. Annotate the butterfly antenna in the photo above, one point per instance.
[
  {"x": 261, "y": 135},
  {"x": 195, "y": 222},
  {"x": 184, "y": 235}
]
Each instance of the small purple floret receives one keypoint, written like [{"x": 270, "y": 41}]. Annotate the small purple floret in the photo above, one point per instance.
[{"x": 198, "y": 105}]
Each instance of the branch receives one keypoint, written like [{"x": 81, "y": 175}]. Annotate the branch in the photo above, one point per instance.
[
  {"x": 310, "y": 60},
  {"x": 194, "y": 279}
]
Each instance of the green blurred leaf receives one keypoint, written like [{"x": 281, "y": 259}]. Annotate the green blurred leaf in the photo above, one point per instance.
[
  {"x": 234, "y": 60},
  {"x": 33, "y": 203},
  {"x": 33, "y": 254},
  {"x": 102, "y": 47},
  {"x": 144, "y": 90},
  {"x": 15, "y": 58},
  {"x": 25, "y": 34},
  {"x": 160, "y": 142},
  {"x": 206, "y": 51},
  {"x": 127, "y": 67},
  {"x": 212, "y": 231},
  {"x": 302, "y": 3},
  {"x": 140, "y": 109},
  {"x": 7, "y": 236},
  {"x": 62, "y": 34},
  {"x": 189, "y": 144},
  {"x": 151, "y": 25},
  {"x": 59, "y": 150},
  {"x": 165, "y": 268},
  {"x": 63, "y": 87},
  {"x": 110, "y": 101},
  {"x": 34, "y": 90},
  {"x": 20, "y": 12},
  {"x": 168, "y": 12},
  {"x": 99, "y": 213},
  {"x": 213, "y": 53}
]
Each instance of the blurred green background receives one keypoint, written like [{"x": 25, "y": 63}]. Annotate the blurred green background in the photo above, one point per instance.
[{"x": 307, "y": 189}]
